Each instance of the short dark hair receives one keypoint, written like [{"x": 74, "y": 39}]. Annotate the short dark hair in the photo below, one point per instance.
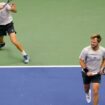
[{"x": 98, "y": 36}]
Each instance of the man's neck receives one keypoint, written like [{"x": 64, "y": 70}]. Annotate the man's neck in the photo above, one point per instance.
[{"x": 95, "y": 48}]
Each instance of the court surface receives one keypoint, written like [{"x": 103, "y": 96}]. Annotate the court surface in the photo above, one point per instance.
[
  {"x": 43, "y": 86},
  {"x": 54, "y": 32}
]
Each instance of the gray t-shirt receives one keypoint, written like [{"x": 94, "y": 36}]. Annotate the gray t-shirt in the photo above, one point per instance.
[
  {"x": 5, "y": 15},
  {"x": 93, "y": 59}
]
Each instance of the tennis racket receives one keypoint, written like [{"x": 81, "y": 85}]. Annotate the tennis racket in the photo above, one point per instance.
[{"x": 7, "y": 2}]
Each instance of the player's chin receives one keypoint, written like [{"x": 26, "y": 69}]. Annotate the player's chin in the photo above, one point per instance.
[{"x": 93, "y": 46}]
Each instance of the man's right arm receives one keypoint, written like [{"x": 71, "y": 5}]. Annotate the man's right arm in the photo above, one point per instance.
[
  {"x": 82, "y": 63},
  {"x": 85, "y": 69},
  {"x": 82, "y": 58}
]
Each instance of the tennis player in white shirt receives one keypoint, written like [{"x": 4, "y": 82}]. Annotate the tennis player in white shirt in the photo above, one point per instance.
[{"x": 7, "y": 28}]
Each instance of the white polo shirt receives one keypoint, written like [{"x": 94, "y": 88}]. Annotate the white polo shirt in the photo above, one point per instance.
[
  {"x": 93, "y": 59},
  {"x": 5, "y": 15}
]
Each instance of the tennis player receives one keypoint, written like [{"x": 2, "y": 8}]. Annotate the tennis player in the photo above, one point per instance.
[
  {"x": 92, "y": 61},
  {"x": 7, "y": 27}
]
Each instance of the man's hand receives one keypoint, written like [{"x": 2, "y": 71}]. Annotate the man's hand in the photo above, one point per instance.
[
  {"x": 89, "y": 73},
  {"x": 1, "y": 7},
  {"x": 102, "y": 72}
]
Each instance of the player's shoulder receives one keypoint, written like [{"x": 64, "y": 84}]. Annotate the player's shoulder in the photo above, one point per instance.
[
  {"x": 87, "y": 48},
  {"x": 102, "y": 48}
]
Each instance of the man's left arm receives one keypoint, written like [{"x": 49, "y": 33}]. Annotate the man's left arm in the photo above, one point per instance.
[{"x": 102, "y": 66}]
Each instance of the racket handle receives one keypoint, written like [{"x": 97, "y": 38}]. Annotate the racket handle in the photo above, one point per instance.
[{"x": 95, "y": 73}]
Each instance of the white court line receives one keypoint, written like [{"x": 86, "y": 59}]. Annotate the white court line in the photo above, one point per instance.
[{"x": 37, "y": 66}]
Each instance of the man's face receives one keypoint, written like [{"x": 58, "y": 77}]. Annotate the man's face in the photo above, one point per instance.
[{"x": 94, "y": 43}]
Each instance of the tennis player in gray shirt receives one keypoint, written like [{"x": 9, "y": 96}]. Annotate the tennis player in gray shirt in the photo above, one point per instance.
[{"x": 92, "y": 61}]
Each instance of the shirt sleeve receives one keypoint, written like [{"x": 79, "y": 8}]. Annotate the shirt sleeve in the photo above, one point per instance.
[{"x": 83, "y": 54}]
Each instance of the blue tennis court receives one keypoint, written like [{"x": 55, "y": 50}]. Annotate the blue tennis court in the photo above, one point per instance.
[{"x": 44, "y": 86}]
